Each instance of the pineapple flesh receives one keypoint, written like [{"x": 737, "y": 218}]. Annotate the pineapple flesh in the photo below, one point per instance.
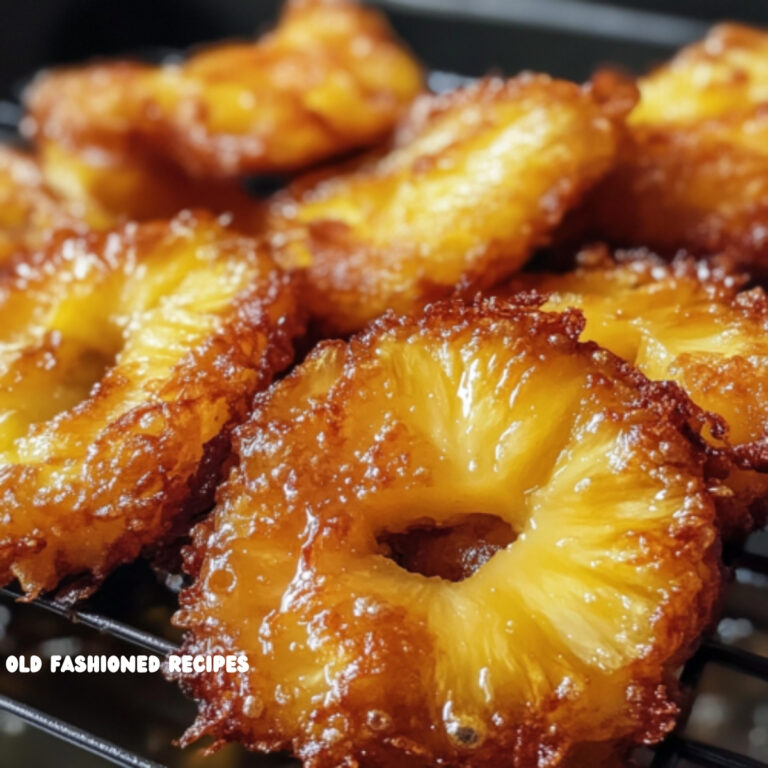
[
  {"x": 330, "y": 78},
  {"x": 126, "y": 182},
  {"x": 30, "y": 209},
  {"x": 62, "y": 189},
  {"x": 473, "y": 182},
  {"x": 692, "y": 324},
  {"x": 694, "y": 173},
  {"x": 583, "y": 596},
  {"x": 125, "y": 359}
]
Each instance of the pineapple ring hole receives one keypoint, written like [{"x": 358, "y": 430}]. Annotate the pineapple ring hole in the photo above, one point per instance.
[
  {"x": 62, "y": 371},
  {"x": 78, "y": 370},
  {"x": 452, "y": 550}
]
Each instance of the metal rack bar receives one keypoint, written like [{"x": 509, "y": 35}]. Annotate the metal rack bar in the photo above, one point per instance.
[
  {"x": 735, "y": 658},
  {"x": 667, "y": 754},
  {"x": 75, "y": 736},
  {"x": 105, "y": 625},
  {"x": 753, "y": 562},
  {"x": 70, "y": 734},
  {"x": 708, "y": 756}
]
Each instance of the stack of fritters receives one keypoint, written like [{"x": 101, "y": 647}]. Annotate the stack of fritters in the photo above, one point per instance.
[{"x": 481, "y": 520}]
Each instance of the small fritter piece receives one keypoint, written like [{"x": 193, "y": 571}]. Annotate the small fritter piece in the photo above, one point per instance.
[
  {"x": 703, "y": 189},
  {"x": 133, "y": 184},
  {"x": 472, "y": 184},
  {"x": 330, "y": 78},
  {"x": 570, "y": 625},
  {"x": 125, "y": 359},
  {"x": 58, "y": 190},
  {"x": 29, "y": 209},
  {"x": 723, "y": 75},
  {"x": 689, "y": 323},
  {"x": 694, "y": 174}
]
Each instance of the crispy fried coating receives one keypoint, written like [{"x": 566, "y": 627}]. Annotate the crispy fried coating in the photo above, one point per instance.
[
  {"x": 125, "y": 359},
  {"x": 695, "y": 173},
  {"x": 704, "y": 189},
  {"x": 688, "y": 323},
  {"x": 53, "y": 190},
  {"x": 724, "y": 74},
  {"x": 130, "y": 183},
  {"x": 331, "y": 77},
  {"x": 29, "y": 209},
  {"x": 472, "y": 184},
  {"x": 570, "y": 632}
]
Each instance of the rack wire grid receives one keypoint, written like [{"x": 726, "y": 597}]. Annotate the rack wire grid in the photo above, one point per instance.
[
  {"x": 725, "y": 719},
  {"x": 724, "y": 649}
]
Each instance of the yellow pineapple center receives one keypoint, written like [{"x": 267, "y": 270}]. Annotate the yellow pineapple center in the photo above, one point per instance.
[{"x": 95, "y": 320}]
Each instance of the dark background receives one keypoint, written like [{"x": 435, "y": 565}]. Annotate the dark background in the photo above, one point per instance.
[{"x": 565, "y": 37}]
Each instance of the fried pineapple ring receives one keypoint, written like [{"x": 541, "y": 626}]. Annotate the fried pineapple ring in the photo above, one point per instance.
[
  {"x": 690, "y": 324},
  {"x": 134, "y": 184},
  {"x": 330, "y": 78},
  {"x": 724, "y": 74},
  {"x": 568, "y": 628},
  {"x": 29, "y": 208},
  {"x": 695, "y": 173},
  {"x": 45, "y": 193},
  {"x": 474, "y": 181},
  {"x": 125, "y": 359}
]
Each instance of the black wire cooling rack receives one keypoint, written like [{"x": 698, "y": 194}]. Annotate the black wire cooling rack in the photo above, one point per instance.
[
  {"x": 679, "y": 750},
  {"x": 78, "y": 737}
]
